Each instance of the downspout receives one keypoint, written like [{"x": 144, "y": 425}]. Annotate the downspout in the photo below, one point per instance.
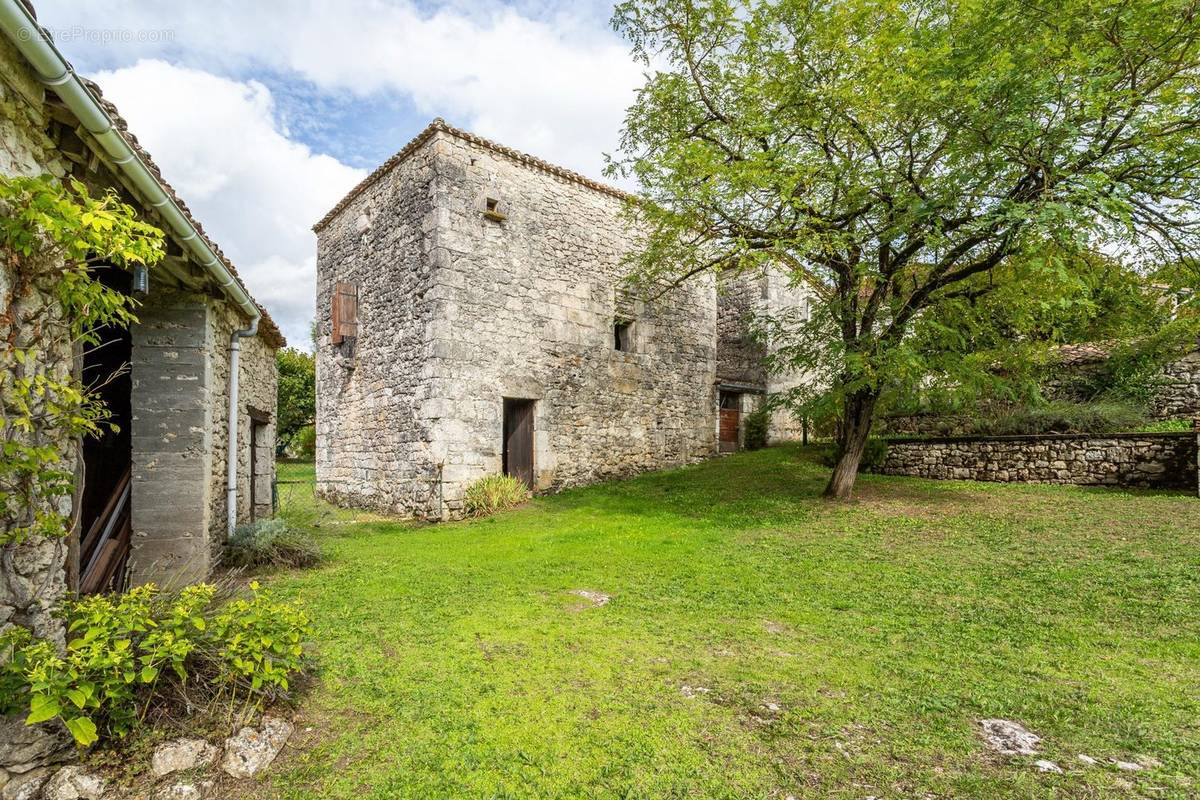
[{"x": 56, "y": 73}]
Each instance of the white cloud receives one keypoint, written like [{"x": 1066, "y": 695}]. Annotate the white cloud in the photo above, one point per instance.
[
  {"x": 556, "y": 85},
  {"x": 256, "y": 192},
  {"x": 554, "y": 82}
]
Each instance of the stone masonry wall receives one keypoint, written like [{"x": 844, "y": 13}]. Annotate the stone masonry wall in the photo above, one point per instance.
[
  {"x": 1153, "y": 460},
  {"x": 1178, "y": 397},
  {"x": 525, "y": 307},
  {"x": 740, "y": 358},
  {"x": 374, "y": 404},
  {"x": 257, "y": 378},
  {"x": 32, "y": 575}
]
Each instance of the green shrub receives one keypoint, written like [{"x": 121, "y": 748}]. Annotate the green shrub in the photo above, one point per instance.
[
  {"x": 304, "y": 443},
  {"x": 494, "y": 493},
  {"x": 757, "y": 424},
  {"x": 874, "y": 453},
  {"x": 1167, "y": 426},
  {"x": 1062, "y": 417},
  {"x": 271, "y": 543},
  {"x": 129, "y": 652}
]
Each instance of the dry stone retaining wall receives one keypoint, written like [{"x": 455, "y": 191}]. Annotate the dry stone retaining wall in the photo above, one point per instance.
[{"x": 1150, "y": 460}]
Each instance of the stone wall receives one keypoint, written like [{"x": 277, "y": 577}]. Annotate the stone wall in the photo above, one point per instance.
[
  {"x": 458, "y": 311},
  {"x": 1152, "y": 460},
  {"x": 526, "y": 308},
  {"x": 33, "y": 576},
  {"x": 375, "y": 407},
  {"x": 1178, "y": 396}
]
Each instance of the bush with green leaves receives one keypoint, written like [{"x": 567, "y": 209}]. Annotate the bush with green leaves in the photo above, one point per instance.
[
  {"x": 271, "y": 543},
  {"x": 494, "y": 493},
  {"x": 757, "y": 424},
  {"x": 130, "y": 652},
  {"x": 874, "y": 453}
]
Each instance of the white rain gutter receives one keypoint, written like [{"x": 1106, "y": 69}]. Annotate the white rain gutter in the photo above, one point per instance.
[{"x": 56, "y": 73}]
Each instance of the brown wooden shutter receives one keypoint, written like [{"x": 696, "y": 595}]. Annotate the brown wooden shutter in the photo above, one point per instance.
[{"x": 345, "y": 312}]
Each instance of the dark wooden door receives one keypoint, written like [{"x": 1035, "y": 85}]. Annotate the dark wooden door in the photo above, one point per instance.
[
  {"x": 730, "y": 421},
  {"x": 518, "y": 440}
]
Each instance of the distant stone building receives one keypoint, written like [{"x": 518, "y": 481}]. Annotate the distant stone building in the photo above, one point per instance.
[
  {"x": 151, "y": 499},
  {"x": 472, "y": 320}
]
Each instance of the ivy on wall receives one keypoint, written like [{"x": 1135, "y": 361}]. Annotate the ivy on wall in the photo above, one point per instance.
[{"x": 51, "y": 234}]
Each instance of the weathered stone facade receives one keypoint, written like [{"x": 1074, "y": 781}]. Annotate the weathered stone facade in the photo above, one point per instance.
[
  {"x": 1178, "y": 394},
  {"x": 482, "y": 276},
  {"x": 1152, "y": 460},
  {"x": 178, "y": 365}
]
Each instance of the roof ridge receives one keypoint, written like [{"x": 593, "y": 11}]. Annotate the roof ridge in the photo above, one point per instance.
[{"x": 440, "y": 125}]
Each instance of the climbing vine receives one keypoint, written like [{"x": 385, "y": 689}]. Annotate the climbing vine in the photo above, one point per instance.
[{"x": 51, "y": 234}]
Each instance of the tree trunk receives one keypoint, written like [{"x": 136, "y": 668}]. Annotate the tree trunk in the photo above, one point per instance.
[{"x": 858, "y": 412}]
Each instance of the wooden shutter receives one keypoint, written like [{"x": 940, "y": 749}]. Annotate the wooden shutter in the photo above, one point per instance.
[{"x": 345, "y": 312}]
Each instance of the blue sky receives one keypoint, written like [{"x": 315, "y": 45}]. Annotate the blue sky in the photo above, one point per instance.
[{"x": 263, "y": 114}]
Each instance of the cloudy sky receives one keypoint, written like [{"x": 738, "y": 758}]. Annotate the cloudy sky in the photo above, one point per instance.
[{"x": 262, "y": 114}]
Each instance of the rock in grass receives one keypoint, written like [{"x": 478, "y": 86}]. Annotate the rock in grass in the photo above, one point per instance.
[
  {"x": 1086, "y": 759},
  {"x": 1009, "y": 738},
  {"x": 73, "y": 783},
  {"x": 1126, "y": 766},
  {"x": 184, "y": 791},
  {"x": 181, "y": 754},
  {"x": 595, "y": 598},
  {"x": 1047, "y": 766},
  {"x": 253, "y": 749}
]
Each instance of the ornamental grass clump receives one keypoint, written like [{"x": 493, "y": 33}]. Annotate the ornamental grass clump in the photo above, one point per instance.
[
  {"x": 271, "y": 543},
  {"x": 494, "y": 493},
  {"x": 146, "y": 650}
]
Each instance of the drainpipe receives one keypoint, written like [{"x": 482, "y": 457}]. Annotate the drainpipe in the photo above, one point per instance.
[
  {"x": 231, "y": 453},
  {"x": 56, "y": 73}
]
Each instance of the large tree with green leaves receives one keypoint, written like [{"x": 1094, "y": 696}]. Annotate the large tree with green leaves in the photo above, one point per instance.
[
  {"x": 896, "y": 155},
  {"x": 297, "y": 394}
]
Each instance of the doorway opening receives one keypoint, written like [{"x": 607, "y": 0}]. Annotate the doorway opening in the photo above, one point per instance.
[
  {"x": 518, "y": 440},
  {"x": 730, "y": 421},
  {"x": 101, "y": 551}
]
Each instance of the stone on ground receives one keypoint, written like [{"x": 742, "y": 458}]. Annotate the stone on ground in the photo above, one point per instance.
[
  {"x": 25, "y": 785},
  {"x": 181, "y": 754},
  {"x": 1086, "y": 759},
  {"x": 253, "y": 749},
  {"x": 1127, "y": 766},
  {"x": 1047, "y": 766},
  {"x": 595, "y": 598},
  {"x": 1009, "y": 738},
  {"x": 182, "y": 790},
  {"x": 73, "y": 783},
  {"x": 23, "y": 747}
]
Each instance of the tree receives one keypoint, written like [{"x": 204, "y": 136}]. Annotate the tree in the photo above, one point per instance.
[
  {"x": 297, "y": 391},
  {"x": 896, "y": 155}
]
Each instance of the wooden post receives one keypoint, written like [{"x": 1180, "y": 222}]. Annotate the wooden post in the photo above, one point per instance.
[{"x": 804, "y": 431}]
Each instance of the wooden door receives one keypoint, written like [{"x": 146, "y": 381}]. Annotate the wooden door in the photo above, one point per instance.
[
  {"x": 518, "y": 440},
  {"x": 731, "y": 418}
]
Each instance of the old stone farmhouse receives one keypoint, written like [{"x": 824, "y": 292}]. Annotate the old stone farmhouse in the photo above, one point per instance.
[
  {"x": 472, "y": 319},
  {"x": 152, "y": 500}
]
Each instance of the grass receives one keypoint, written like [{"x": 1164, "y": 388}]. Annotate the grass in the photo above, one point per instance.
[{"x": 829, "y": 650}]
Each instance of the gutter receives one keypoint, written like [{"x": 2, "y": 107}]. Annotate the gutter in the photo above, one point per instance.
[{"x": 56, "y": 73}]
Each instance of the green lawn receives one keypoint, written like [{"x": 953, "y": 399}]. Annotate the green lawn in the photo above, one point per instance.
[{"x": 829, "y": 650}]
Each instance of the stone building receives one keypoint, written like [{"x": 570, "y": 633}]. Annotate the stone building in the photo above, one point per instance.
[
  {"x": 472, "y": 319},
  {"x": 151, "y": 500}
]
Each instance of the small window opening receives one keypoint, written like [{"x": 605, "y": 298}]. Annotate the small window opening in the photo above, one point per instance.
[
  {"x": 493, "y": 209},
  {"x": 623, "y": 336}
]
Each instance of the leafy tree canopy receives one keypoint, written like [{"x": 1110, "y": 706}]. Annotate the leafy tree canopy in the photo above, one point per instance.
[
  {"x": 905, "y": 158},
  {"x": 297, "y": 391}
]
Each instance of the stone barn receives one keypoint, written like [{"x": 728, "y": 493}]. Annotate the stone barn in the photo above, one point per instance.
[
  {"x": 472, "y": 319},
  {"x": 152, "y": 500}
]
